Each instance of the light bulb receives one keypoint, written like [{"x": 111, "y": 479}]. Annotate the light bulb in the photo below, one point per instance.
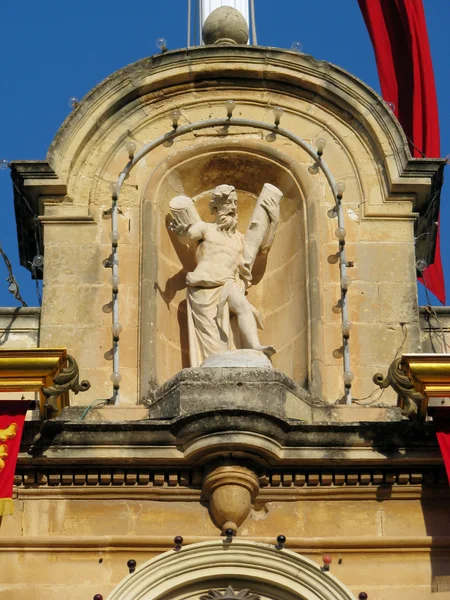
[
  {"x": 421, "y": 264},
  {"x": 447, "y": 159},
  {"x": 332, "y": 213},
  {"x": 320, "y": 144},
  {"x": 116, "y": 377},
  {"x": 73, "y": 102},
  {"x": 38, "y": 261},
  {"x": 346, "y": 327},
  {"x": 130, "y": 148},
  {"x": 114, "y": 236},
  {"x": 340, "y": 234},
  {"x": 327, "y": 560},
  {"x": 277, "y": 113},
  {"x": 161, "y": 44},
  {"x": 113, "y": 189},
  {"x": 391, "y": 106},
  {"x": 175, "y": 116},
  {"x": 115, "y": 281},
  {"x": 349, "y": 376},
  {"x": 345, "y": 282},
  {"x": 297, "y": 47},
  {"x": 4, "y": 164},
  {"x": 230, "y": 106},
  {"x": 116, "y": 329},
  {"x": 340, "y": 188},
  {"x": 313, "y": 169}
]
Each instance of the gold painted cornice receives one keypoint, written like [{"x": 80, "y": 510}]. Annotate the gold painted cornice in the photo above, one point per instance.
[
  {"x": 430, "y": 374},
  {"x": 32, "y": 370}
]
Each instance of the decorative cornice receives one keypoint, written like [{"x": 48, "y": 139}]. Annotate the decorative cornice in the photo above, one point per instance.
[
  {"x": 49, "y": 371},
  {"x": 293, "y": 483},
  {"x": 429, "y": 374}
]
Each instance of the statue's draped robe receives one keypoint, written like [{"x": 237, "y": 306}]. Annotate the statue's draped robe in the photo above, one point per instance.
[{"x": 210, "y": 325}]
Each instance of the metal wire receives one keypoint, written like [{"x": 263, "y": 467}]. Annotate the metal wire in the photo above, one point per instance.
[{"x": 13, "y": 287}]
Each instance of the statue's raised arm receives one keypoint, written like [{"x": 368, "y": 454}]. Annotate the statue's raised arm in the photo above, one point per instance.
[
  {"x": 262, "y": 227},
  {"x": 186, "y": 222}
]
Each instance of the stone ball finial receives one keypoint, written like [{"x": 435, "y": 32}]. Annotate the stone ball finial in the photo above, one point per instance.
[{"x": 225, "y": 26}]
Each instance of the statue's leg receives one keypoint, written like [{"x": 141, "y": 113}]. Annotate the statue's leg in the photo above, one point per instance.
[{"x": 240, "y": 306}]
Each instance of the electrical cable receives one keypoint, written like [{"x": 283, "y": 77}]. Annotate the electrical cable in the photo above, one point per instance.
[
  {"x": 13, "y": 287},
  {"x": 89, "y": 406}
]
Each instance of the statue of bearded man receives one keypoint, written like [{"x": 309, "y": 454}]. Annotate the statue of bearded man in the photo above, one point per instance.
[{"x": 220, "y": 317}]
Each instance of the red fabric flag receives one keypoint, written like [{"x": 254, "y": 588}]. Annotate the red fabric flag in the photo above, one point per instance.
[
  {"x": 443, "y": 437},
  {"x": 12, "y": 417},
  {"x": 399, "y": 36}
]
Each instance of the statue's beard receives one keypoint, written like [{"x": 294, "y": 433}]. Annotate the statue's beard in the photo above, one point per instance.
[{"x": 227, "y": 223}]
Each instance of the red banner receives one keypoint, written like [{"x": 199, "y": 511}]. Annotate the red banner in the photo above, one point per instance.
[
  {"x": 443, "y": 437},
  {"x": 12, "y": 418},
  {"x": 398, "y": 31}
]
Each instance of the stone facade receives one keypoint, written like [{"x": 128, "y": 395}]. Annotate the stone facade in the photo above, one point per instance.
[{"x": 198, "y": 452}]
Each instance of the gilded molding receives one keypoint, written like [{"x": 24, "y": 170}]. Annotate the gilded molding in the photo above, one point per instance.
[
  {"x": 49, "y": 371},
  {"x": 429, "y": 374}
]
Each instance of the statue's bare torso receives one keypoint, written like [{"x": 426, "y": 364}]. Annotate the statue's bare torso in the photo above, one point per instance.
[{"x": 219, "y": 255}]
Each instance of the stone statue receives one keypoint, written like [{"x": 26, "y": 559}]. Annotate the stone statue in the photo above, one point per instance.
[{"x": 220, "y": 317}]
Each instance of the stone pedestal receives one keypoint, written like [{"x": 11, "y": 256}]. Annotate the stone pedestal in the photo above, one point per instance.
[{"x": 204, "y": 390}]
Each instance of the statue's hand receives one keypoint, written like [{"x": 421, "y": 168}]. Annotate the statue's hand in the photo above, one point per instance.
[
  {"x": 272, "y": 208},
  {"x": 178, "y": 228}
]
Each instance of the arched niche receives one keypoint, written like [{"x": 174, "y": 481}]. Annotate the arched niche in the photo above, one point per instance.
[
  {"x": 280, "y": 289},
  {"x": 261, "y": 568}
]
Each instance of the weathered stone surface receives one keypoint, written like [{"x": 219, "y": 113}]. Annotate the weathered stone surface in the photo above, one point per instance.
[
  {"x": 238, "y": 359},
  {"x": 266, "y": 391}
]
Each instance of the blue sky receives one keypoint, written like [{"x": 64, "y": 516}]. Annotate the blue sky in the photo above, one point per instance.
[{"x": 52, "y": 50}]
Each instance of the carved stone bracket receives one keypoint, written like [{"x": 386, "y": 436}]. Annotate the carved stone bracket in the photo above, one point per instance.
[
  {"x": 231, "y": 490},
  {"x": 67, "y": 380},
  {"x": 410, "y": 401}
]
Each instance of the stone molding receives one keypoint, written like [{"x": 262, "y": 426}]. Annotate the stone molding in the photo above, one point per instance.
[
  {"x": 293, "y": 483},
  {"x": 243, "y": 564},
  {"x": 158, "y": 543},
  {"x": 182, "y": 66}
]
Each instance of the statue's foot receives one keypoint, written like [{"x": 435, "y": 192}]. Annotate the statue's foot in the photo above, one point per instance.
[{"x": 268, "y": 350}]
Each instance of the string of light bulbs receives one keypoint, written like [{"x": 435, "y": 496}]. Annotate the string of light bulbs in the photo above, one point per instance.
[{"x": 337, "y": 188}]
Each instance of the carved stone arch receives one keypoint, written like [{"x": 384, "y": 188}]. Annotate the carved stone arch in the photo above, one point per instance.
[
  {"x": 247, "y": 164},
  {"x": 261, "y": 568}
]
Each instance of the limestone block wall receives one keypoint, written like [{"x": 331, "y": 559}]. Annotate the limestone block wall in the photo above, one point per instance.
[
  {"x": 299, "y": 293},
  {"x": 74, "y": 539},
  {"x": 435, "y": 329}
]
